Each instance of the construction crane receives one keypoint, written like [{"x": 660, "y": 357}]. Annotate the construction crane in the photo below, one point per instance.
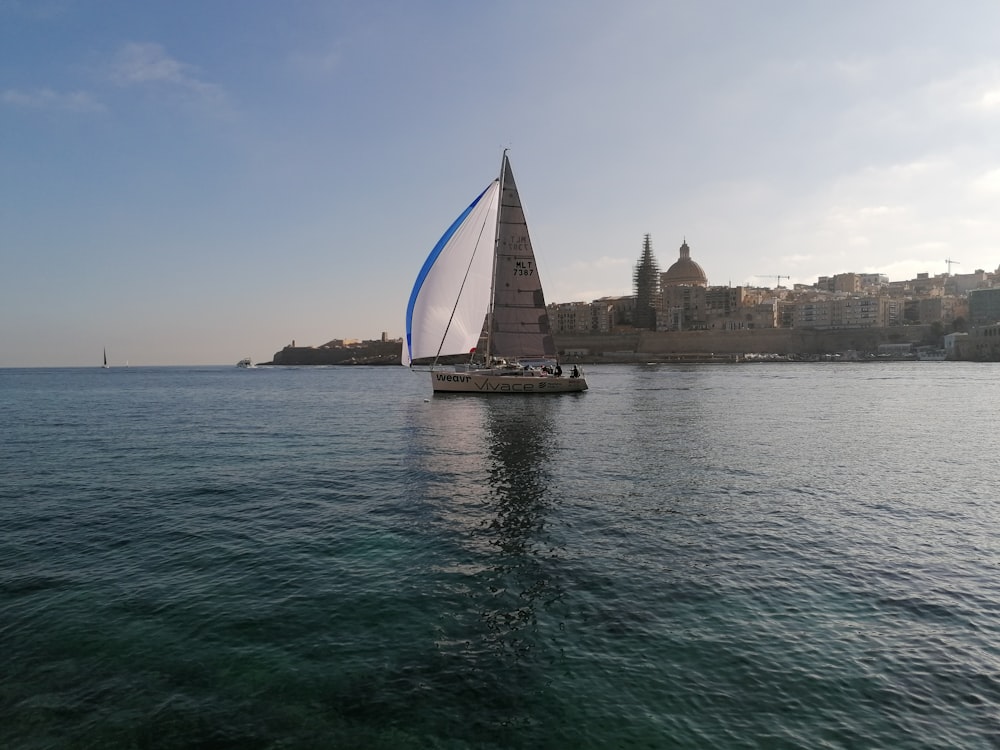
[
  {"x": 778, "y": 278},
  {"x": 951, "y": 263}
]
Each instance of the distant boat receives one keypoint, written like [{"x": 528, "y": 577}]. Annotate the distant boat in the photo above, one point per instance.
[
  {"x": 106, "y": 366},
  {"x": 246, "y": 362},
  {"x": 481, "y": 282},
  {"x": 930, "y": 354}
]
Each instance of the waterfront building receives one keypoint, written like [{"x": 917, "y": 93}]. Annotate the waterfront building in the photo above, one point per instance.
[
  {"x": 981, "y": 345},
  {"x": 937, "y": 308},
  {"x": 603, "y": 315},
  {"x": 849, "y": 283},
  {"x": 984, "y": 306},
  {"x": 874, "y": 280},
  {"x": 960, "y": 284},
  {"x": 570, "y": 317},
  {"x": 683, "y": 302},
  {"x": 679, "y": 299},
  {"x": 681, "y": 308},
  {"x": 844, "y": 311},
  {"x": 724, "y": 299},
  {"x": 622, "y": 309},
  {"x": 581, "y": 317}
]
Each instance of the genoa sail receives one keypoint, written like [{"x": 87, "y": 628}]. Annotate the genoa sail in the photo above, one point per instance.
[{"x": 461, "y": 263}]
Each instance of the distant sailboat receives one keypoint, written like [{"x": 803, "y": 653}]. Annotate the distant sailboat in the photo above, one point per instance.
[{"x": 106, "y": 366}]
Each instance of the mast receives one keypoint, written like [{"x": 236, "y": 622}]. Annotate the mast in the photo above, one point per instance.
[{"x": 496, "y": 245}]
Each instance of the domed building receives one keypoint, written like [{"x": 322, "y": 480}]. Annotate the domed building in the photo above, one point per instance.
[{"x": 684, "y": 271}]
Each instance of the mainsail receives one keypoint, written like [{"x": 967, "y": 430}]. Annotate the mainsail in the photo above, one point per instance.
[{"x": 519, "y": 323}]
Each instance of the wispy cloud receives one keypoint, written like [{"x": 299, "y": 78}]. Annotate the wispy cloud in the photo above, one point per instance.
[
  {"x": 958, "y": 96},
  {"x": 47, "y": 99},
  {"x": 36, "y": 10},
  {"x": 148, "y": 64},
  {"x": 316, "y": 64}
]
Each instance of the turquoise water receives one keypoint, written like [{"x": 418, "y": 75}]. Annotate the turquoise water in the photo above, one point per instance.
[{"x": 682, "y": 557}]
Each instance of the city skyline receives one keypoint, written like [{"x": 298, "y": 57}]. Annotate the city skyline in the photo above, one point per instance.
[{"x": 183, "y": 185}]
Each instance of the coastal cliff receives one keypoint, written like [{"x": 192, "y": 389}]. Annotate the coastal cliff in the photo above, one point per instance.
[{"x": 365, "y": 353}]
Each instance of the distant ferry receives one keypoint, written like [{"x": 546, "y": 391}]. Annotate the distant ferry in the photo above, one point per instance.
[{"x": 247, "y": 362}]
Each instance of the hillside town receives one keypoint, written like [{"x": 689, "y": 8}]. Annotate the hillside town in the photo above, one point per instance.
[{"x": 961, "y": 309}]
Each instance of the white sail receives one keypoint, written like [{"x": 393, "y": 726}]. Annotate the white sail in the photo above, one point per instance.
[{"x": 460, "y": 264}]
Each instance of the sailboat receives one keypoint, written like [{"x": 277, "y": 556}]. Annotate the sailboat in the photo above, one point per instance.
[
  {"x": 478, "y": 295},
  {"x": 106, "y": 366}
]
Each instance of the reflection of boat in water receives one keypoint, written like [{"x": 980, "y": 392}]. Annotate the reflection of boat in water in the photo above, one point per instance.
[
  {"x": 484, "y": 268},
  {"x": 490, "y": 502},
  {"x": 246, "y": 362}
]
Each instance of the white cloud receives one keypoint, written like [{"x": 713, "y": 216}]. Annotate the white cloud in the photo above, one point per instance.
[
  {"x": 871, "y": 212},
  {"x": 75, "y": 101},
  {"x": 988, "y": 182},
  {"x": 147, "y": 63},
  {"x": 990, "y": 100},
  {"x": 974, "y": 89}
]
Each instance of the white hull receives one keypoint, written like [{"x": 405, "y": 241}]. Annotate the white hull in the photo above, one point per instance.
[{"x": 491, "y": 381}]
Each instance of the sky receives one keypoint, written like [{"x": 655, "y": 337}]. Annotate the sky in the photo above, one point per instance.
[{"x": 191, "y": 182}]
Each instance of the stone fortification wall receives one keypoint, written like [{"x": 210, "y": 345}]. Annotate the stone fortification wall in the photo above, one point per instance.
[
  {"x": 644, "y": 345},
  {"x": 759, "y": 341}
]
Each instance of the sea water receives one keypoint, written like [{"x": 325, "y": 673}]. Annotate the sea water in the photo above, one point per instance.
[{"x": 760, "y": 555}]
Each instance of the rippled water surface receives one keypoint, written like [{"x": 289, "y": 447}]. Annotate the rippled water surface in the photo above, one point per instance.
[{"x": 696, "y": 556}]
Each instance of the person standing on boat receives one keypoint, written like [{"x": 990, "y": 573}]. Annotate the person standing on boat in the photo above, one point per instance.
[
  {"x": 558, "y": 370},
  {"x": 575, "y": 373}
]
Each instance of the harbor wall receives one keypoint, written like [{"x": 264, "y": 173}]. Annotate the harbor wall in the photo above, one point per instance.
[
  {"x": 642, "y": 346},
  {"x": 781, "y": 341}
]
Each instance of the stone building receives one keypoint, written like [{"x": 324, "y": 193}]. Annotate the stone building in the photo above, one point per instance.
[
  {"x": 684, "y": 271},
  {"x": 984, "y": 306},
  {"x": 683, "y": 299}
]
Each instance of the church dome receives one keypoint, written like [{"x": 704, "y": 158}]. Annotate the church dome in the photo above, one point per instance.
[{"x": 684, "y": 271}]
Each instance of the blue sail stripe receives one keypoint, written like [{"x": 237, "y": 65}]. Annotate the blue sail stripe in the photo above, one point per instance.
[{"x": 429, "y": 263}]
